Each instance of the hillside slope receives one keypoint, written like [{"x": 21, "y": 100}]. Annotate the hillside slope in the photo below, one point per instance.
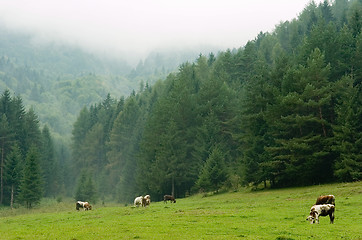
[{"x": 272, "y": 214}]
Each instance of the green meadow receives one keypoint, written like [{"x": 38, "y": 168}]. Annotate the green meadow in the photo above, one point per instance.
[{"x": 246, "y": 214}]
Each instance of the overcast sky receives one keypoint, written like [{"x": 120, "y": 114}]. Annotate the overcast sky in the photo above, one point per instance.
[{"x": 140, "y": 26}]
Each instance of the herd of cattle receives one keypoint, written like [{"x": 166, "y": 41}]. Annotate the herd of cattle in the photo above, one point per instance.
[
  {"x": 143, "y": 201},
  {"x": 324, "y": 206}
]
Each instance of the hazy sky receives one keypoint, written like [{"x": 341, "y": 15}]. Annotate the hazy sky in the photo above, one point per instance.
[{"x": 139, "y": 26}]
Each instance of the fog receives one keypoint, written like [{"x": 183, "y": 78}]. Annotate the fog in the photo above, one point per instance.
[{"x": 134, "y": 28}]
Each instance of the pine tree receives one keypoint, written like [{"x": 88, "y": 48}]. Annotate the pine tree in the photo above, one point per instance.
[
  {"x": 90, "y": 190},
  {"x": 214, "y": 173},
  {"x": 85, "y": 190},
  {"x": 13, "y": 172},
  {"x": 31, "y": 186},
  {"x": 301, "y": 126},
  {"x": 6, "y": 137},
  {"x": 348, "y": 132},
  {"x": 49, "y": 165},
  {"x": 80, "y": 194},
  {"x": 32, "y": 130}
]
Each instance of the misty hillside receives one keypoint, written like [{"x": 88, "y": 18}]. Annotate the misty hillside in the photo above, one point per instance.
[
  {"x": 58, "y": 80},
  {"x": 283, "y": 110}
]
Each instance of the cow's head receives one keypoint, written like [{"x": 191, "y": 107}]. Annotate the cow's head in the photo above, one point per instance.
[
  {"x": 313, "y": 215},
  {"x": 311, "y": 219}
]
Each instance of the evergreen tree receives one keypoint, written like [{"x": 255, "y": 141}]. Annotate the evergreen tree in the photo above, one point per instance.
[
  {"x": 13, "y": 172},
  {"x": 123, "y": 145},
  {"x": 32, "y": 130},
  {"x": 31, "y": 186},
  {"x": 214, "y": 173},
  {"x": 85, "y": 190},
  {"x": 302, "y": 128},
  {"x": 80, "y": 192},
  {"x": 6, "y": 137},
  {"x": 49, "y": 165},
  {"x": 348, "y": 132},
  {"x": 355, "y": 20},
  {"x": 80, "y": 129},
  {"x": 90, "y": 190}
]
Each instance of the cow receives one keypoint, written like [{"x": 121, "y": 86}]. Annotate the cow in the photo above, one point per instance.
[
  {"x": 328, "y": 199},
  {"x": 147, "y": 200},
  {"x": 321, "y": 210},
  {"x": 169, "y": 197},
  {"x": 139, "y": 201},
  {"x": 85, "y": 205}
]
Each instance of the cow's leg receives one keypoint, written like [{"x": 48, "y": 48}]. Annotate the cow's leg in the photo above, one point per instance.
[{"x": 331, "y": 218}]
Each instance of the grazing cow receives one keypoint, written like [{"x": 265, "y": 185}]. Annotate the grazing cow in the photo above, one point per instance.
[
  {"x": 147, "y": 200},
  {"x": 85, "y": 205},
  {"x": 328, "y": 199},
  {"x": 169, "y": 197},
  {"x": 321, "y": 210},
  {"x": 139, "y": 201}
]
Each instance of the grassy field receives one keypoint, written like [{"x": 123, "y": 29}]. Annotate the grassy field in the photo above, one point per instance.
[{"x": 267, "y": 214}]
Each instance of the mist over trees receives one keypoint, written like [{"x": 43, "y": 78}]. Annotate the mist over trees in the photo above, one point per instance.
[
  {"x": 284, "y": 110},
  {"x": 59, "y": 80}
]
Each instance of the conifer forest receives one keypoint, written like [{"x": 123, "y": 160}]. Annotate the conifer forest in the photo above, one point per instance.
[{"x": 283, "y": 110}]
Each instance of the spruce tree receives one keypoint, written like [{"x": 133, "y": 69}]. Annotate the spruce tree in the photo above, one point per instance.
[
  {"x": 214, "y": 173},
  {"x": 85, "y": 190},
  {"x": 31, "y": 186},
  {"x": 13, "y": 171},
  {"x": 49, "y": 165},
  {"x": 301, "y": 127},
  {"x": 6, "y": 137},
  {"x": 348, "y": 132},
  {"x": 80, "y": 194}
]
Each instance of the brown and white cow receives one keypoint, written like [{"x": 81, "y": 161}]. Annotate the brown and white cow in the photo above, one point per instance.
[
  {"x": 85, "y": 205},
  {"x": 321, "y": 210},
  {"x": 327, "y": 199},
  {"x": 147, "y": 200},
  {"x": 169, "y": 198}
]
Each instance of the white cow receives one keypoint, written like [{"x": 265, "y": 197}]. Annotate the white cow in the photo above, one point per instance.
[{"x": 138, "y": 201}]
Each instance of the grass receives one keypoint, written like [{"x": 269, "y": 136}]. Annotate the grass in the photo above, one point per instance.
[{"x": 269, "y": 214}]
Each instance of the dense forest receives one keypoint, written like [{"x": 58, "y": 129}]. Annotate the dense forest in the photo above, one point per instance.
[
  {"x": 283, "y": 110},
  {"x": 29, "y": 169}
]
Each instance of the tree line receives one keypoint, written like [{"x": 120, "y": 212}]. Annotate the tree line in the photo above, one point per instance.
[{"x": 284, "y": 110}]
